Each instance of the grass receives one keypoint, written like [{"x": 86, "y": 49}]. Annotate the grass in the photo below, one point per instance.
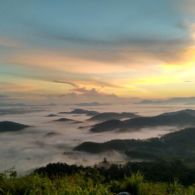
[{"x": 79, "y": 184}]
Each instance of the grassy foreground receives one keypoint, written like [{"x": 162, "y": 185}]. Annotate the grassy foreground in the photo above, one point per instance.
[{"x": 90, "y": 181}]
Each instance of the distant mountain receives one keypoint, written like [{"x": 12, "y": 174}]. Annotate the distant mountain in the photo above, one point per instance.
[
  {"x": 97, "y": 116},
  {"x": 184, "y": 118},
  {"x": 51, "y": 134},
  {"x": 109, "y": 125},
  {"x": 90, "y": 104},
  {"x": 186, "y": 111},
  {"x": 8, "y": 126},
  {"x": 81, "y": 111},
  {"x": 176, "y": 100},
  {"x": 52, "y": 115},
  {"x": 67, "y": 120},
  {"x": 23, "y": 110},
  {"x": 179, "y": 144},
  {"x": 112, "y": 115}
]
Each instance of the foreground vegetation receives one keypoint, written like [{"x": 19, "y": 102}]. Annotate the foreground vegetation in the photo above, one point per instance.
[{"x": 159, "y": 178}]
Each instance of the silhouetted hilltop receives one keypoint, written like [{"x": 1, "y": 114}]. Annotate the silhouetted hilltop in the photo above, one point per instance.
[
  {"x": 109, "y": 125},
  {"x": 184, "y": 118},
  {"x": 51, "y": 134},
  {"x": 23, "y": 110},
  {"x": 172, "y": 101},
  {"x": 8, "y": 126},
  {"x": 67, "y": 120},
  {"x": 81, "y": 111},
  {"x": 89, "y": 104},
  {"x": 112, "y": 115},
  {"x": 179, "y": 144},
  {"x": 52, "y": 115},
  {"x": 186, "y": 111}
]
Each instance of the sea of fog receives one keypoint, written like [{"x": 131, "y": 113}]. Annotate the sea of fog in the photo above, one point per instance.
[{"x": 48, "y": 141}]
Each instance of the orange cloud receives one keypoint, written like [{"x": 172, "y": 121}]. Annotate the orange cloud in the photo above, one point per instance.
[
  {"x": 63, "y": 63},
  {"x": 83, "y": 63}
]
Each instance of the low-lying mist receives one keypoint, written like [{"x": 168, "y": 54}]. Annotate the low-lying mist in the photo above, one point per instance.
[{"x": 48, "y": 140}]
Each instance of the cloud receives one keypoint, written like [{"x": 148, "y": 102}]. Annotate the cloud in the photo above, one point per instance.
[
  {"x": 88, "y": 81},
  {"x": 116, "y": 55},
  {"x": 84, "y": 91},
  {"x": 158, "y": 35},
  {"x": 65, "y": 82},
  {"x": 84, "y": 95},
  {"x": 124, "y": 48},
  {"x": 67, "y": 51},
  {"x": 62, "y": 62}
]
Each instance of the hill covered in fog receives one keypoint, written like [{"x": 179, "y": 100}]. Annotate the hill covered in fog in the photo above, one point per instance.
[
  {"x": 179, "y": 144},
  {"x": 184, "y": 118},
  {"x": 9, "y": 126}
]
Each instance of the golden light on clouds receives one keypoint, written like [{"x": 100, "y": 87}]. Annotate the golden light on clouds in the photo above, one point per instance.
[
  {"x": 64, "y": 63},
  {"x": 134, "y": 74},
  {"x": 134, "y": 51},
  {"x": 144, "y": 81}
]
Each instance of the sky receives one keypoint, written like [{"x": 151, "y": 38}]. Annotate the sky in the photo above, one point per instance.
[{"x": 97, "y": 48}]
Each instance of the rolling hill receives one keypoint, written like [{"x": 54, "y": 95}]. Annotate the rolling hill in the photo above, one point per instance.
[
  {"x": 112, "y": 115},
  {"x": 179, "y": 144},
  {"x": 183, "y": 118},
  {"x": 9, "y": 126}
]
